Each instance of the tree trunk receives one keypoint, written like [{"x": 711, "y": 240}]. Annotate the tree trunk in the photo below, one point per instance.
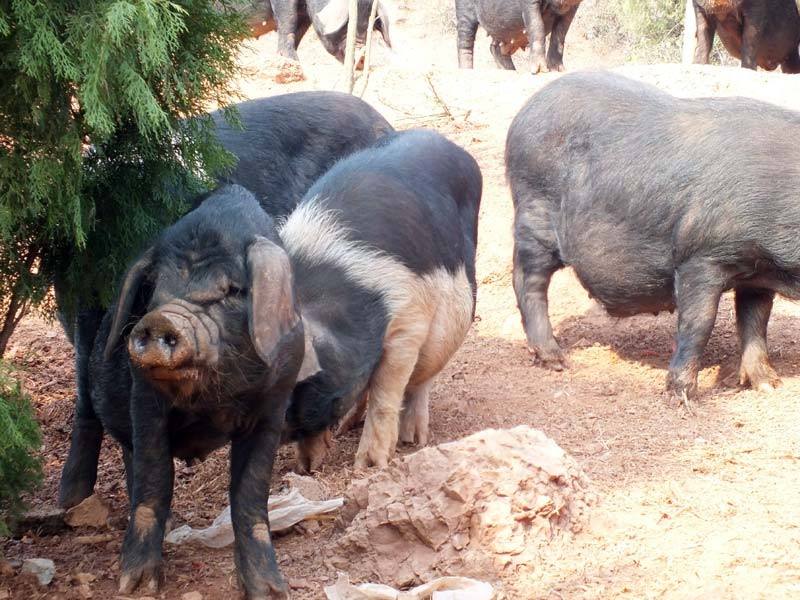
[{"x": 17, "y": 306}]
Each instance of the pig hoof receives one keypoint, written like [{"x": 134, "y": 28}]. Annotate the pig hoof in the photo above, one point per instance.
[
  {"x": 761, "y": 377},
  {"x": 539, "y": 67},
  {"x": 414, "y": 436},
  {"x": 272, "y": 593},
  {"x": 550, "y": 359},
  {"x": 145, "y": 577},
  {"x": 311, "y": 452},
  {"x": 414, "y": 425},
  {"x": 364, "y": 461}
]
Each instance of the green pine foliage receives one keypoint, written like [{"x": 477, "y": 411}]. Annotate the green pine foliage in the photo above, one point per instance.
[
  {"x": 20, "y": 467},
  {"x": 103, "y": 135}
]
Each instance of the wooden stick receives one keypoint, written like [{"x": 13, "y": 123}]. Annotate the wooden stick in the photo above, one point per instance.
[{"x": 350, "y": 48}]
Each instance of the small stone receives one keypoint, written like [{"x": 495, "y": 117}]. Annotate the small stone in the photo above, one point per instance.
[
  {"x": 84, "y": 578},
  {"x": 85, "y": 591},
  {"x": 300, "y": 583},
  {"x": 5, "y": 594},
  {"x": 43, "y": 569},
  {"x": 192, "y": 596},
  {"x": 92, "y": 512},
  {"x": 311, "y": 488}
]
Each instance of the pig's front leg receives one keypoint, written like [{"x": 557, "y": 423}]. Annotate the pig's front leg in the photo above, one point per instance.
[
  {"x": 152, "y": 481},
  {"x": 252, "y": 456},
  {"x": 534, "y": 25}
]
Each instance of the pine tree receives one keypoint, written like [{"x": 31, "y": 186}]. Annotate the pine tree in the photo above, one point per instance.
[
  {"x": 20, "y": 466},
  {"x": 104, "y": 135}
]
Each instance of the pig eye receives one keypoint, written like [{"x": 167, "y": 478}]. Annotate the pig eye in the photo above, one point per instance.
[{"x": 235, "y": 291}]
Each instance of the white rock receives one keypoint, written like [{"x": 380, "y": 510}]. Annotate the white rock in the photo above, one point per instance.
[{"x": 43, "y": 568}]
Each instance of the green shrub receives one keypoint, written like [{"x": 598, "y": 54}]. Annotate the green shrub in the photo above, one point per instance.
[
  {"x": 650, "y": 30},
  {"x": 20, "y": 465},
  {"x": 103, "y": 135}
]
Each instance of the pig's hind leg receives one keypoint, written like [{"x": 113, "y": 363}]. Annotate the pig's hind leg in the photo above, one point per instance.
[
  {"x": 80, "y": 469},
  {"x": 753, "y": 308},
  {"x": 415, "y": 417},
  {"x": 379, "y": 436},
  {"x": 534, "y": 265},
  {"x": 699, "y": 283}
]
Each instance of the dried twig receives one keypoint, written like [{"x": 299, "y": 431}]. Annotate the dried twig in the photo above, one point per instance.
[
  {"x": 368, "y": 56},
  {"x": 438, "y": 98}
]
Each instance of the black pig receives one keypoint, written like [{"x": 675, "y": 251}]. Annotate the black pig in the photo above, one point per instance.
[
  {"x": 218, "y": 331},
  {"x": 513, "y": 24},
  {"x": 287, "y": 143},
  {"x": 383, "y": 252},
  {"x": 656, "y": 202},
  {"x": 203, "y": 347},
  {"x": 292, "y": 18},
  {"x": 765, "y": 33}
]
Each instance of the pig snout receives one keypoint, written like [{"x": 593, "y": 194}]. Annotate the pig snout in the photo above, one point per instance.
[{"x": 173, "y": 341}]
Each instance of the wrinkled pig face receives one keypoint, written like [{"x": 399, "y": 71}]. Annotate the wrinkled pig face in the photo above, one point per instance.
[
  {"x": 196, "y": 321},
  {"x": 213, "y": 310}
]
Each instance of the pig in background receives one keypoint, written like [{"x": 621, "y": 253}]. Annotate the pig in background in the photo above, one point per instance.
[
  {"x": 513, "y": 25},
  {"x": 286, "y": 144},
  {"x": 657, "y": 203},
  {"x": 227, "y": 326},
  {"x": 289, "y": 141},
  {"x": 765, "y": 33},
  {"x": 292, "y": 18}
]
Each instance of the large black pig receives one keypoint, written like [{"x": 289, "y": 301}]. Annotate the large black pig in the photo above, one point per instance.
[
  {"x": 289, "y": 141},
  {"x": 656, "y": 202},
  {"x": 513, "y": 24},
  {"x": 292, "y": 18},
  {"x": 204, "y": 346},
  {"x": 286, "y": 144},
  {"x": 765, "y": 33}
]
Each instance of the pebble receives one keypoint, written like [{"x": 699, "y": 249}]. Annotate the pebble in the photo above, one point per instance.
[{"x": 43, "y": 568}]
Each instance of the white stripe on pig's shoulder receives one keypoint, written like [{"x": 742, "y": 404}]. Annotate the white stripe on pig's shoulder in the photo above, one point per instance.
[
  {"x": 333, "y": 16},
  {"x": 314, "y": 233}
]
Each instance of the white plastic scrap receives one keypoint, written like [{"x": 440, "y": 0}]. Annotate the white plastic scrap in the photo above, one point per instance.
[
  {"x": 285, "y": 510},
  {"x": 442, "y": 588}
]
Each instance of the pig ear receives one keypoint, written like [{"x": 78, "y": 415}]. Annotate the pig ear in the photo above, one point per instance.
[
  {"x": 333, "y": 16},
  {"x": 128, "y": 295},
  {"x": 273, "y": 313},
  {"x": 382, "y": 24}
]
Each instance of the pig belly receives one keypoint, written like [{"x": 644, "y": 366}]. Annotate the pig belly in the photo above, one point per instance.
[
  {"x": 449, "y": 324},
  {"x": 622, "y": 270},
  {"x": 195, "y": 440}
]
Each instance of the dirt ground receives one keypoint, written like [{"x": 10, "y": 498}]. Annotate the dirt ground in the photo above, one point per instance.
[{"x": 701, "y": 505}]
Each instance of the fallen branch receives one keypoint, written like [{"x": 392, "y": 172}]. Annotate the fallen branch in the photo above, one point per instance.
[{"x": 438, "y": 98}]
